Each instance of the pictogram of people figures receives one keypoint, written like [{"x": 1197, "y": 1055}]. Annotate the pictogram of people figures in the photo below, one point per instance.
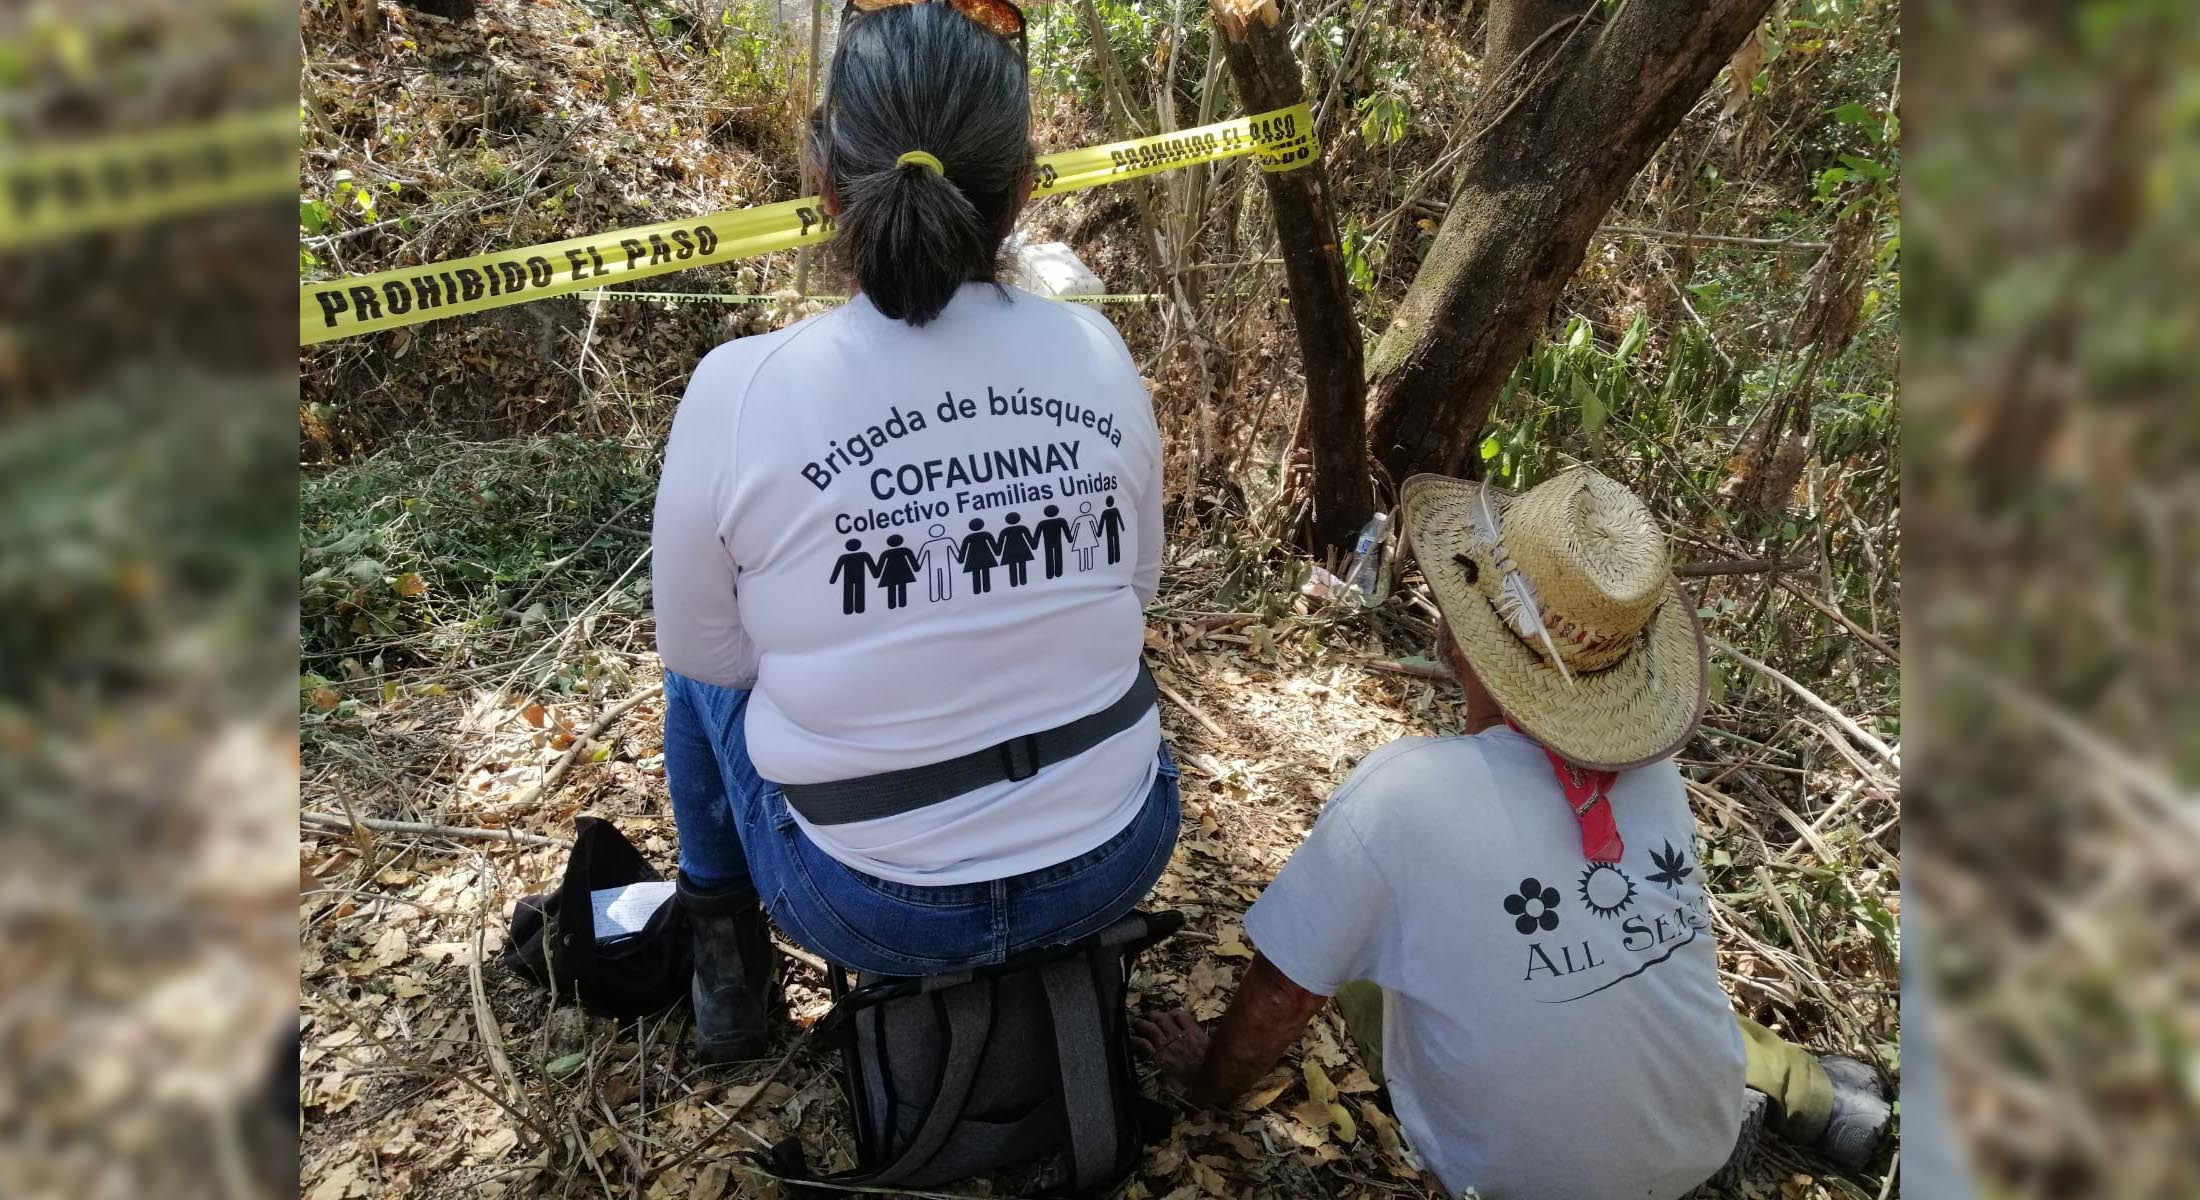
[
  {"x": 1053, "y": 532},
  {"x": 1111, "y": 526},
  {"x": 849, "y": 571},
  {"x": 976, "y": 554},
  {"x": 897, "y": 569},
  {"x": 1084, "y": 533},
  {"x": 1017, "y": 545},
  {"x": 938, "y": 558},
  {"x": 980, "y": 554}
]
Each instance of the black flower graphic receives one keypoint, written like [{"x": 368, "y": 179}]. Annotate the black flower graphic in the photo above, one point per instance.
[
  {"x": 1533, "y": 907},
  {"x": 1672, "y": 870}
]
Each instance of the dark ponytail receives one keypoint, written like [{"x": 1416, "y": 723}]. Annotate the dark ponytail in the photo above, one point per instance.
[{"x": 922, "y": 78}]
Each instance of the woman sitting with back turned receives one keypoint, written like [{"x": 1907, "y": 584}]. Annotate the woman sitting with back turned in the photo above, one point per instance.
[{"x": 911, "y": 779}]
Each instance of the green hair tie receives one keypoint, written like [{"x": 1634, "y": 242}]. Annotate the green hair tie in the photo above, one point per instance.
[{"x": 922, "y": 159}]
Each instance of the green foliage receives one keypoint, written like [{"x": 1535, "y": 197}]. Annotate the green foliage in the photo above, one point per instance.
[
  {"x": 1243, "y": 564},
  {"x": 753, "y": 58},
  {"x": 133, "y": 513},
  {"x": 1138, "y": 32},
  {"x": 437, "y": 535},
  {"x": 1361, "y": 255},
  {"x": 1383, "y": 118},
  {"x": 1563, "y": 384},
  {"x": 349, "y": 205}
]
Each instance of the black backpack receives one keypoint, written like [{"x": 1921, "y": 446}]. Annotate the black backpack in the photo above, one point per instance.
[
  {"x": 955, "y": 1075},
  {"x": 554, "y": 944}
]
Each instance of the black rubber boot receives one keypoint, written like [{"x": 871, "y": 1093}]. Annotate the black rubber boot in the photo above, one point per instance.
[{"x": 733, "y": 972}]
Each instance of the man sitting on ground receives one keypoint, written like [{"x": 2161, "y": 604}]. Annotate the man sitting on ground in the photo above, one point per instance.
[{"x": 1513, "y": 922}]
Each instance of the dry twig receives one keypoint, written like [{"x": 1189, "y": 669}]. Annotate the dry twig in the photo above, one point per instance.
[
  {"x": 425, "y": 1071},
  {"x": 1863, "y": 635},
  {"x": 1206, "y": 721},
  {"x": 427, "y": 829},
  {"x": 492, "y": 1034},
  {"x": 556, "y": 774},
  {"x": 1863, "y": 736},
  {"x": 1728, "y": 566}
]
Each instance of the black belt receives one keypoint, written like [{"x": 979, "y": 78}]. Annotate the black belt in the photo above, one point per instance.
[{"x": 891, "y": 793}]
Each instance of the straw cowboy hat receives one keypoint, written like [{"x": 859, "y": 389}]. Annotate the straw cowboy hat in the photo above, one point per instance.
[{"x": 1564, "y": 602}]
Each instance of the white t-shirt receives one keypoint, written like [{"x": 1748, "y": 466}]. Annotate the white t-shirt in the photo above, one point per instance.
[
  {"x": 914, "y": 543},
  {"x": 1551, "y": 1028}
]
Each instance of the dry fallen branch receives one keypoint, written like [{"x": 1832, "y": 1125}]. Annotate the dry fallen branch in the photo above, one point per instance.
[
  {"x": 800, "y": 955},
  {"x": 732, "y": 1119},
  {"x": 425, "y": 1071},
  {"x": 2168, "y": 803},
  {"x": 1671, "y": 235},
  {"x": 518, "y": 608},
  {"x": 1863, "y": 736},
  {"x": 492, "y": 1034},
  {"x": 332, "y": 821},
  {"x": 556, "y": 774},
  {"x": 851, "y": 1188},
  {"x": 1729, "y": 566},
  {"x": 1863, "y": 635},
  {"x": 1394, "y": 667},
  {"x": 1205, "y": 720}
]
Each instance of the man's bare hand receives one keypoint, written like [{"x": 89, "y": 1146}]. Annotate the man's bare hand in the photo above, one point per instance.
[
  {"x": 1174, "y": 1041},
  {"x": 1268, "y": 1013}
]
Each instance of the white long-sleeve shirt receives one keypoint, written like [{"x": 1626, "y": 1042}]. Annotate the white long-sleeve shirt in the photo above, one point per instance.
[{"x": 815, "y": 479}]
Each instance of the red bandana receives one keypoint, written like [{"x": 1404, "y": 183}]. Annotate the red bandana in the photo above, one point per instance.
[{"x": 1589, "y": 794}]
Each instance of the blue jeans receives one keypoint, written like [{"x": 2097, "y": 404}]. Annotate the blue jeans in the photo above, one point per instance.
[{"x": 735, "y": 828}]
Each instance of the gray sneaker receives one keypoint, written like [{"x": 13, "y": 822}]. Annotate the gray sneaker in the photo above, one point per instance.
[
  {"x": 1861, "y": 1114},
  {"x": 1853, "y": 1073}
]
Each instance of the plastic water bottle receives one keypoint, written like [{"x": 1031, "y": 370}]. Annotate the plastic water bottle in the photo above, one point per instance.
[{"x": 1364, "y": 569}]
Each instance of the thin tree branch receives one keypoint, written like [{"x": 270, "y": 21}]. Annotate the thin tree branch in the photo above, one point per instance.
[
  {"x": 1729, "y": 566},
  {"x": 332, "y": 821},
  {"x": 1863, "y": 736},
  {"x": 1669, "y": 235},
  {"x": 1170, "y": 694},
  {"x": 649, "y": 31},
  {"x": 556, "y": 774},
  {"x": 425, "y": 1071},
  {"x": 1862, "y": 634},
  {"x": 732, "y": 1119},
  {"x": 519, "y": 607}
]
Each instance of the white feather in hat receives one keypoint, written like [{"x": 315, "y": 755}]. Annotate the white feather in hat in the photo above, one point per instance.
[{"x": 1516, "y": 599}]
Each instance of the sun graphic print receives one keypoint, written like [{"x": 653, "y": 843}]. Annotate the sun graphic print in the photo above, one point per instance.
[{"x": 1606, "y": 890}]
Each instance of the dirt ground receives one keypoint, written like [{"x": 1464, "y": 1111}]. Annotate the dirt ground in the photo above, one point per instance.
[{"x": 429, "y": 1071}]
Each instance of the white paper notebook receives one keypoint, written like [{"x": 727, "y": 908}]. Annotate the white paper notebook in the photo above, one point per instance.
[{"x": 622, "y": 911}]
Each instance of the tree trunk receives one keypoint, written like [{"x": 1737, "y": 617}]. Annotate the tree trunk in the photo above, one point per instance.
[
  {"x": 1257, "y": 45},
  {"x": 1515, "y": 26},
  {"x": 1558, "y": 143}
]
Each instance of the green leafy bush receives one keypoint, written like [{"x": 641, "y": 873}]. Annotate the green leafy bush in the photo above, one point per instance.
[{"x": 431, "y": 538}]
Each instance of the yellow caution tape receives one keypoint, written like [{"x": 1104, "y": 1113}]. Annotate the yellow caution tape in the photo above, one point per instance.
[
  {"x": 791, "y": 298},
  {"x": 52, "y": 192},
  {"x": 1282, "y": 140}
]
